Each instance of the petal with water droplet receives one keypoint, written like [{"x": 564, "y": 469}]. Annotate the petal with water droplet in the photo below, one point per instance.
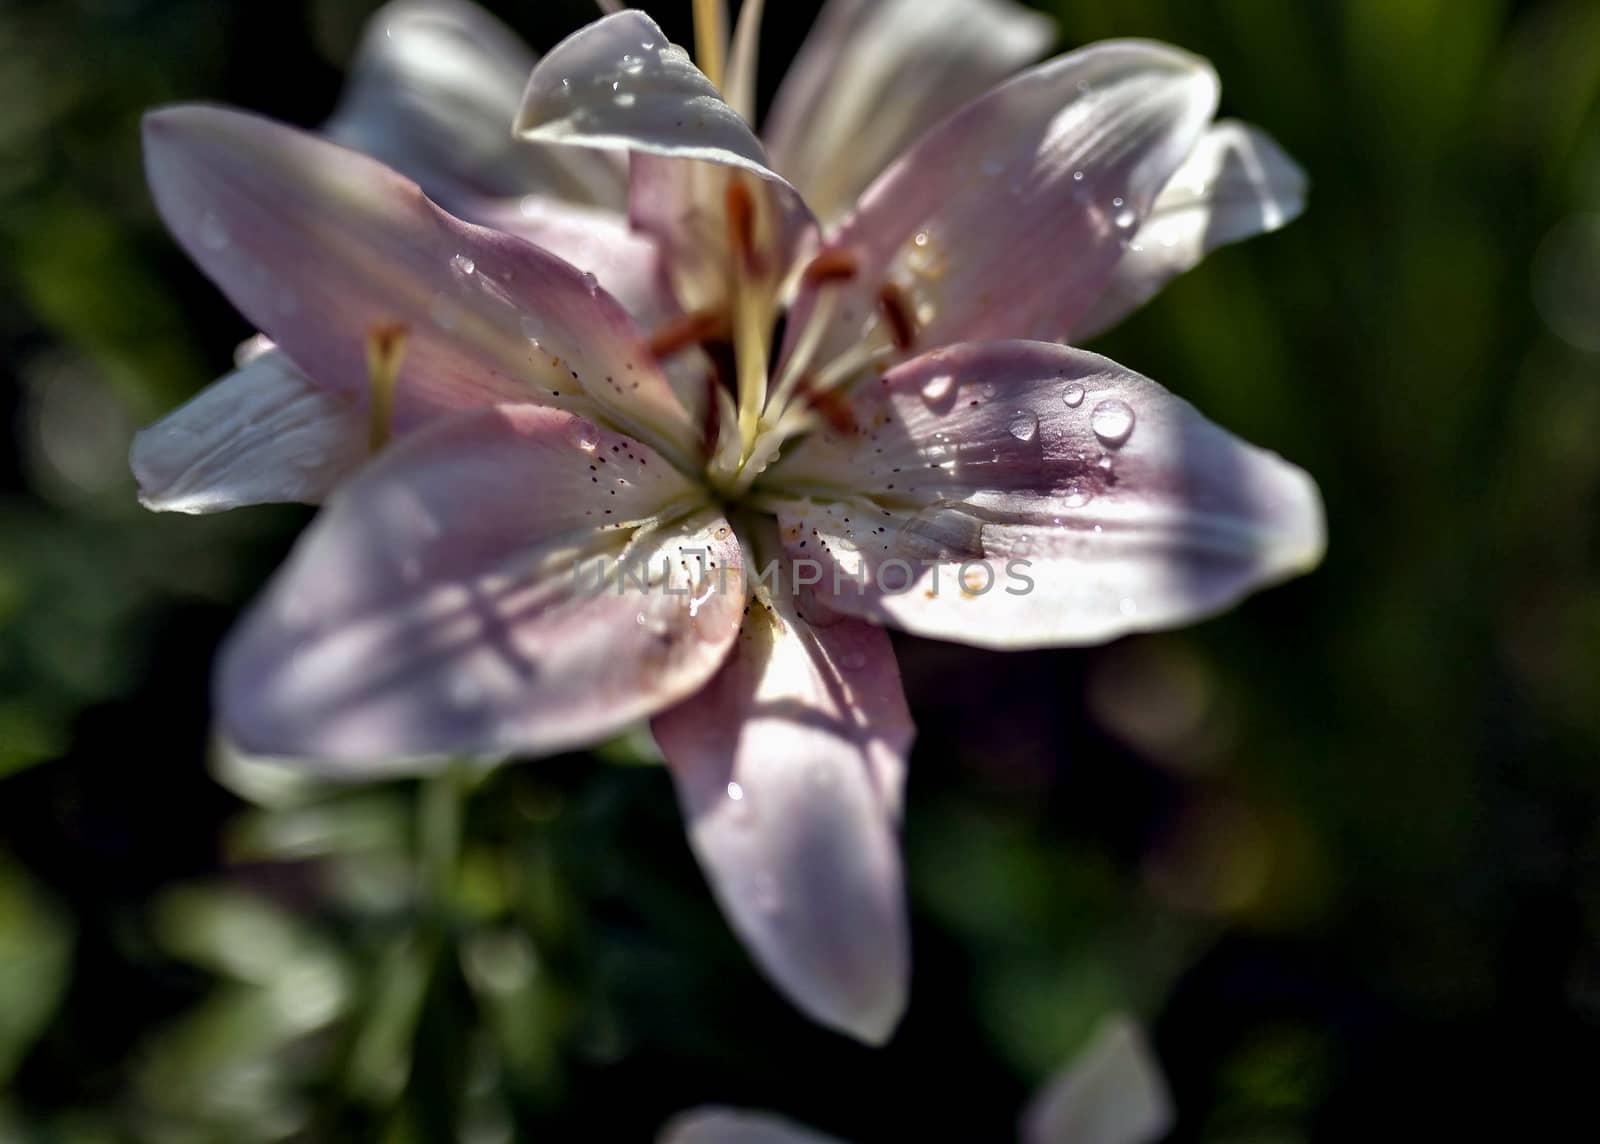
[
  {"x": 809, "y": 721},
  {"x": 436, "y": 608},
  {"x": 1235, "y": 184},
  {"x": 1184, "y": 522},
  {"x": 675, "y": 112},
  {"x": 361, "y": 248},
  {"x": 1026, "y": 247}
]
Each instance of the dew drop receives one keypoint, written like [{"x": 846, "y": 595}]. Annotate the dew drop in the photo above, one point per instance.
[
  {"x": 1112, "y": 422},
  {"x": 633, "y": 65},
  {"x": 1105, "y": 466},
  {"x": 736, "y": 792},
  {"x": 213, "y": 236},
  {"x": 530, "y": 329},
  {"x": 625, "y": 99},
  {"x": 1124, "y": 219},
  {"x": 853, "y": 660},
  {"x": 463, "y": 265},
  {"x": 590, "y": 281},
  {"x": 921, "y": 239},
  {"x": 1072, "y": 395},
  {"x": 1127, "y": 606},
  {"x": 1023, "y": 425},
  {"x": 938, "y": 387},
  {"x": 1076, "y": 495},
  {"x": 1077, "y": 176},
  {"x": 586, "y": 437}
]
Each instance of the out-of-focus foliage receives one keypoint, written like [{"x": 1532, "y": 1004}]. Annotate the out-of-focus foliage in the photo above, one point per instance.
[{"x": 1339, "y": 847}]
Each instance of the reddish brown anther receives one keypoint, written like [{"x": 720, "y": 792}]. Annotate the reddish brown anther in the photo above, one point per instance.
[
  {"x": 830, "y": 266},
  {"x": 741, "y": 208},
  {"x": 687, "y": 330},
  {"x": 830, "y": 403},
  {"x": 897, "y": 313}
]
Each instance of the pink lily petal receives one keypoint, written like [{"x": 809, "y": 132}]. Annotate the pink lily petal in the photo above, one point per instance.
[
  {"x": 436, "y": 606},
  {"x": 618, "y": 84},
  {"x": 432, "y": 93},
  {"x": 1113, "y": 1093},
  {"x": 1009, "y": 218},
  {"x": 263, "y": 434},
  {"x": 873, "y": 74},
  {"x": 789, "y": 765},
  {"x": 1236, "y": 184},
  {"x": 321, "y": 247},
  {"x": 715, "y": 1125},
  {"x": 628, "y": 264},
  {"x": 1131, "y": 510}
]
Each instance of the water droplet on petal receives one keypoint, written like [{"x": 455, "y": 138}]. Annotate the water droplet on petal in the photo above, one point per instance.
[
  {"x": 938, "y": 387},
  {"x": 1112, "y": 422},
  {"x": 463, "y": 265},
  {"x": 530, "y": 329},
  {"x": 586, "y": 437},
  {"x": 1124, "y": 219},
  {"x": 625, "y": 99},
  {"x": 1076, "y": 495},
  {"x": 1127, "y": 606},
  {"x": 853, "y": 660},
  {"x": 1077, "y": 176},
  {"x": 633, "y": 65},
  {"x": 1072, "y": 395},
  {"x": 1023, "y": 425},
  {"x": 590, "y": 281},
  {"x": 736, "y": 792}
]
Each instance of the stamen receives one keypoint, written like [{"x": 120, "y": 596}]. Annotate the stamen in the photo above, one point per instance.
[
  {"x": 740, "y": 90},
  {"x": 897, "y": 313},
  {"x": 830, "y": 266},
  {"x": 741, "y": 208},
  {"x": 386, "y": 348},
  {"x": 830, "y": 403},
  {"x": 686, "y": 330},
  {"x": 710, "y": 37}
]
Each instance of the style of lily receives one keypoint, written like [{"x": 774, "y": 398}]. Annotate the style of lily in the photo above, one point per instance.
[
  {"x": 763, "y": 504},
  {"x": 1112, "y": 1092}
]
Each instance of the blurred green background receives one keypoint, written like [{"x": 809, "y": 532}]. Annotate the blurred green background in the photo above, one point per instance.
[{"x": 1337, "y": 848}]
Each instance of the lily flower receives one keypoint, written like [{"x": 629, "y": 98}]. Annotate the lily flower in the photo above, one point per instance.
[
  {"x": 1112, "y": 1092},
  {"x": 760, "y": 508}
]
